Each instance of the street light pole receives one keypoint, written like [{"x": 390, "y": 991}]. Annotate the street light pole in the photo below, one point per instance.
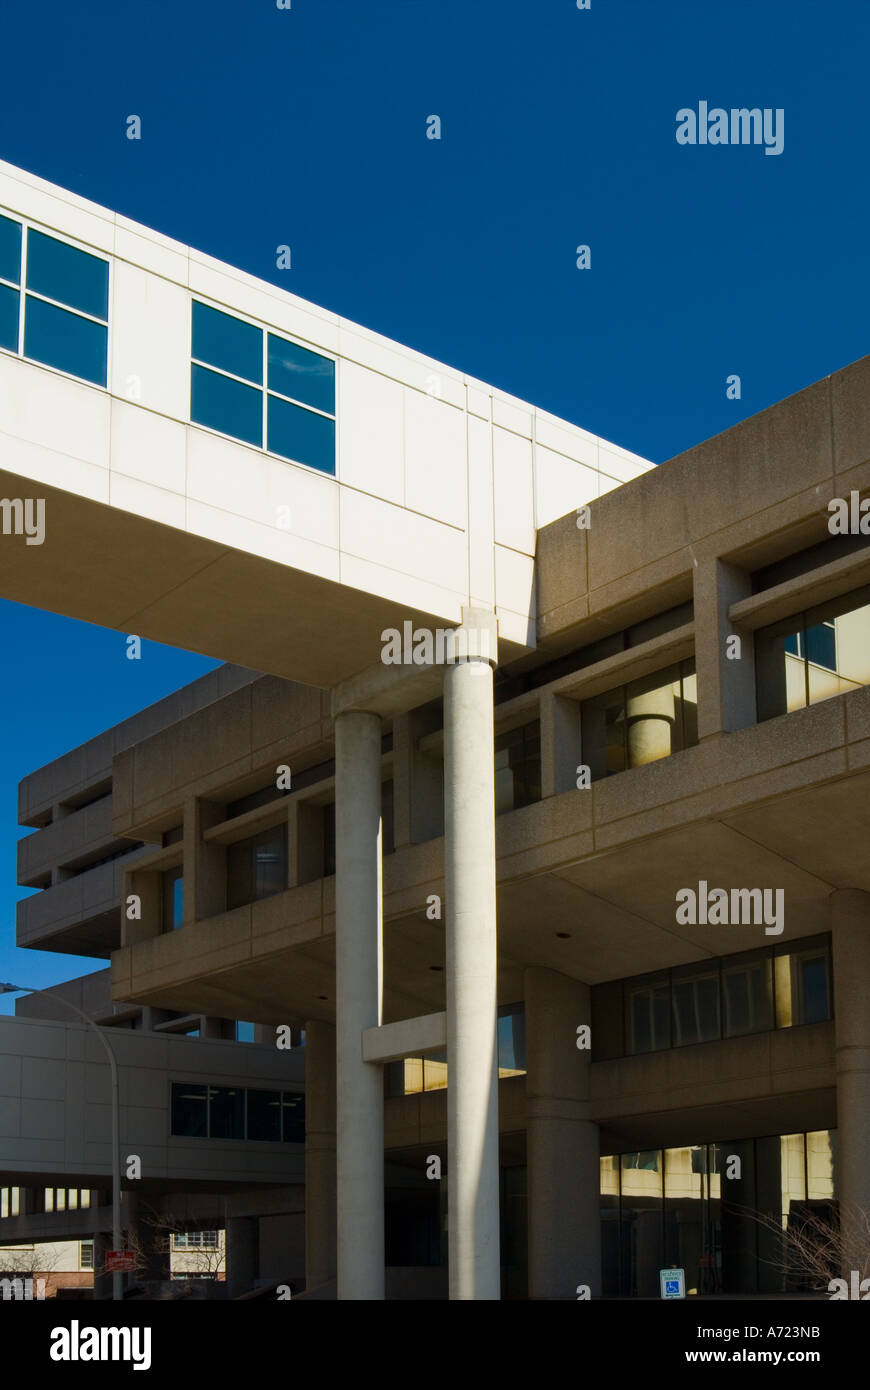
[{"x": 117, "y": 1279}]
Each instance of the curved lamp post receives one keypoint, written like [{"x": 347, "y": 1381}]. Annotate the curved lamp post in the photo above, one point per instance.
[{"x": 6, "y": 988}]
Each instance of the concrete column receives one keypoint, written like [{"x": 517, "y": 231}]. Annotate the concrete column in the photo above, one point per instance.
[
  {"x": 205, "y": 863},
  {"x": 242, "y": 1254},
  {"x": 359, "y": 997},
  {"x": 472, "y": 1055},
  {"x": 726, "y": 685},
  {"x": 850, "y": 930},
  {"x": 562, "y": 1144},
  {"x": 320, "y": 1223},
  {"x": 560, "y": 744}
]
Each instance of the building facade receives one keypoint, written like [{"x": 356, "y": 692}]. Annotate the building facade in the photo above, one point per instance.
[{"x": 572, "y": 908}]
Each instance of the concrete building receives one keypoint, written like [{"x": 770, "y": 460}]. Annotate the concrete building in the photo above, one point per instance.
[{"x": 659, "y": 688}]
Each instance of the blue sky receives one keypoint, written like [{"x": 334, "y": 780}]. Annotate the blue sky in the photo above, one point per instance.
[{"x": 263, "y": 127}]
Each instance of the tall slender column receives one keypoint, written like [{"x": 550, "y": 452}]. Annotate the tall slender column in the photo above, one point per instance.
[
  {"x": 850, "y": 933},
  {"x": 359, "y": 995},
  {"x": 472, "y": 1055}
]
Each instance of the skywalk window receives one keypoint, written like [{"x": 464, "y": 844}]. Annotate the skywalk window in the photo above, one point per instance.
[
  {"x": 262, "y": 389},
  {"x": 65, "y": 316}
]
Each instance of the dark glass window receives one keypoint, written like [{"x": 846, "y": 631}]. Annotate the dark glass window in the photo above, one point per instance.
[
  {"x": 300, "y": 435},
  {"x": 257, "y": 867},
  {"x": 72, "y": 277},
  {"x": 293, "y": 1121},
  {"x": 518, "y": 767},
  {"x": 642, "y": 1222},
  {"x": 8, "y": 318},
  {"x": 821, "y": 645},
  {"x": 10, "y": 250},
  {"x": 747, "y": 995},
  {"x": 226, "y": 405},
  {"x": 695, "y": 1001},
  {"x": 226, "y": 1112},
  {"x": 647, "y": 1014},
  {"x": 227, "y": 342},
  {"x": 802, "y": 975},
  {"x": 302, "y": 375},
  {"x": 64, "y": 340},
  {"x": 264, "y": 1115},
  {"x": 189, "y": 1110},
  {"x": 222, "y": 343}
]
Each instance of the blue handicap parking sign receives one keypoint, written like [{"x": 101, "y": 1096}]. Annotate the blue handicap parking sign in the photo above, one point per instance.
[{"x": 672, "y": 1286}]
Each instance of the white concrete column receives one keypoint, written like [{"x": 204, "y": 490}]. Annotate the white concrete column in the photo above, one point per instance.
[
  {"x": 359, "y": 995},
  {"x": 850, "y": 937},
  {"x": 472, "y": 1053}
]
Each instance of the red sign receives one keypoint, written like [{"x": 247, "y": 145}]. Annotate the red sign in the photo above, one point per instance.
[{"x": 120, "y": 1261}]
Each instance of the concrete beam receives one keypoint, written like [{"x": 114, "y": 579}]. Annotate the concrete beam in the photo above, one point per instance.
[{"x": 412, "y": 1037}]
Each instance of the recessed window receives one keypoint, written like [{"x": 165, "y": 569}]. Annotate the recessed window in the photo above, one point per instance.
[
  {"x": 518, "y": 768},
  {"x": 639, "y": 723},
  {"x": 257, "y": 867},
  {"x": 66, "y": 304},
  {"x": 232, "y": 362},
  {"x": 812, "y": 656}
]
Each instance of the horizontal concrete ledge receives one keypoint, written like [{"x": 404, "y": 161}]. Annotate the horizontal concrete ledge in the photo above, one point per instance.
[
  {"x": 804, "y": 591},
  {"x": 412, "y": 1037}
]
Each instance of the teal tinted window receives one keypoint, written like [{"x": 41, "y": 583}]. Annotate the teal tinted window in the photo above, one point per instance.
[
  {"x": 71, "y": 277},
  {"x": 10, "y": 250},
  {"x": 301, "y": 435},
  {"x": 8, "y": 318},
  {"x": 226, "y": 405},
  {"x": 303, "y": 375},
  {"x": 64, "y": 340},
  {"x": 226, "y": 342}
]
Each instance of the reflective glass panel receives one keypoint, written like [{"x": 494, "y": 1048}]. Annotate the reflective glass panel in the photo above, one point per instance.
[
  {"x": 10, "y": 250},
  {"x": 695, "y": 997},
  {"x": 300, "y": 435},
  {"x": 642, "y": 1212},
  {"x": 227, "y": 342},
  {"x": 293, "y": 1105},
  {"x": 71, "y": 277},
  {"x": 66, "y": 341},
  {"x": 264, "y": 1115},
  {"x": 226, "y": 1112},
  {"x": 304, "y": 375},
  {"x": 747, "y": 995},
  {"x": 189, "y": 1110},
  {"x": 226, "y": 405},
  {"x": 802, "y": 979},
  {"x": 685, "y": 1224},
  {"x": 8, "y": 318},
  {"x": 647, "y": 1014}
]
